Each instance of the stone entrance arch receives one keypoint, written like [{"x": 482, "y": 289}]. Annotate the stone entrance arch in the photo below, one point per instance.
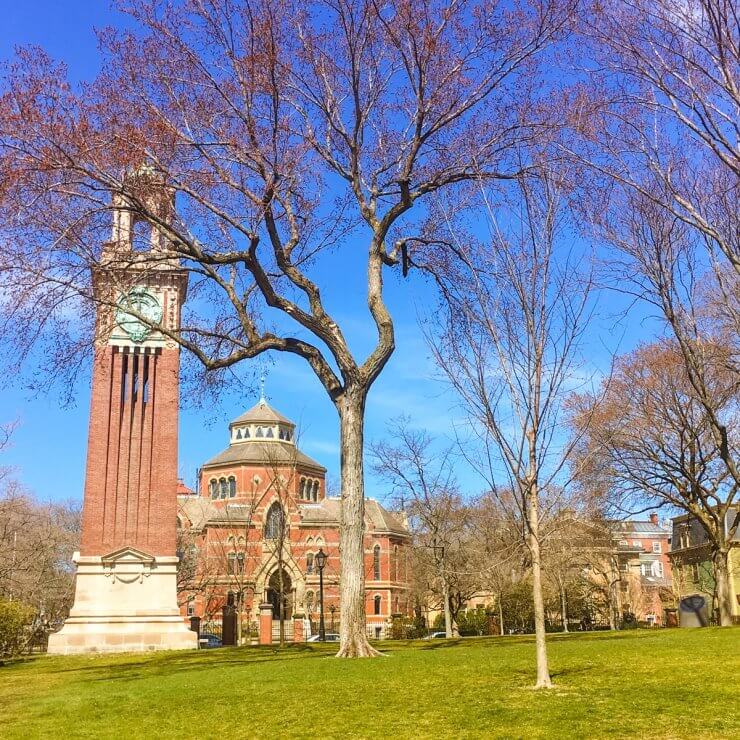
[{"x": 273, "y": 594}]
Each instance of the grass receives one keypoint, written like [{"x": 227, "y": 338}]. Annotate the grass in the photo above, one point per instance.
[{"x": 657, "y": 684}]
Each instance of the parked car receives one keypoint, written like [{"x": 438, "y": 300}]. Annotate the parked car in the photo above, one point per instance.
[
  {"x": 437, "y": 636},
  {"x": 207, "y": 640},
  {"x": 330, "y": 637}
]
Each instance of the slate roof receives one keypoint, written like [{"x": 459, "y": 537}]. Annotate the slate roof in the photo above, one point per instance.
[
  {"x": 327, "y": 510},
  {"x": 261, "y": 411},
  {"x": 635, "y": 526},
  {"x": 201, "y": 511},
  {"x": 266, "y": 453}
]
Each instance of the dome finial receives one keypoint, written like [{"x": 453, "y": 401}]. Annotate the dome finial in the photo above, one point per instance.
[{"x": 263, "y": 400}]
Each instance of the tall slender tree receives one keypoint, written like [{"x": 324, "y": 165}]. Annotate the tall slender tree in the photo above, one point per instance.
[{"x": 509, "y": 346}]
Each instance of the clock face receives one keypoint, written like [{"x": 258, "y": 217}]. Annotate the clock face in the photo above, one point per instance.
[{"x": 144, "y": 303}]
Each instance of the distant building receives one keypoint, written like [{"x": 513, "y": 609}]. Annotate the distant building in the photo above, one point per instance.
[
  {"x": 692, "y": 561},
  {"x": 642, "y": 548},
  {"x": 261, "y": 516}
]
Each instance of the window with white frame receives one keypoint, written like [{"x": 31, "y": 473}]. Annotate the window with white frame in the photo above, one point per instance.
[{"x": 656, "y": 547}]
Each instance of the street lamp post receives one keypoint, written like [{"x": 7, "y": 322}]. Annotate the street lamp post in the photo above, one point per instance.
[
  {"x": 439, "y": 556},
  {"x": 320, "y": 561}
]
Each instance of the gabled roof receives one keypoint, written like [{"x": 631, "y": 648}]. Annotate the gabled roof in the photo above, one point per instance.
[{"x": 262, "y": 411}]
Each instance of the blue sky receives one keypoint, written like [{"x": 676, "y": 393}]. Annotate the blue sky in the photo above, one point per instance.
[{"x": 48, "y": 450}]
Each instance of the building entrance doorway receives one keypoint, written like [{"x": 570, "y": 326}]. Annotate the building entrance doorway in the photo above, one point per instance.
[{"x": 273, "y": 595}]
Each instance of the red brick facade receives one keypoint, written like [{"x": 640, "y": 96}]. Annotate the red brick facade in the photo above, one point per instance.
[
  {"x": 131, "y": 476},
  {"x": 229, "y": 521}
]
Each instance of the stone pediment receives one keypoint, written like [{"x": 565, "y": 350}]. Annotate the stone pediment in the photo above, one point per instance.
[
  {"x": 128, "y": 565},
  {"x": 127, "y": 555}
]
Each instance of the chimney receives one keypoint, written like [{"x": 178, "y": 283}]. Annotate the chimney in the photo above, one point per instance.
[{"x": 653, "y": 518}]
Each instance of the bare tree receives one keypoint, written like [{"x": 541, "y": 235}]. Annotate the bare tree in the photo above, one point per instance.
[
  {"x": 36, "y": 541},
  {"x": 650, "y": 443},
  {"x": 498, "y": 547},
  {"x": 509, "y": 347},
  {"x": 659, "y": 132},
  {"x": 423, "y": 485},
  {"x": 282, "y": 487},
  {"x": 281, "y": 132}
]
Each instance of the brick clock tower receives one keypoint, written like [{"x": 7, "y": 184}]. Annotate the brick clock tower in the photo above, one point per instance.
[{"x": 125, "y": 594}]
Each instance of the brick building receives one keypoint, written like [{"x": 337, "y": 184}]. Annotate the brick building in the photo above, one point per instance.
[
  {"x": 261, "y": 515},
  {"x": 642, "y": 550},
  {"x": 691, "y": 556}
]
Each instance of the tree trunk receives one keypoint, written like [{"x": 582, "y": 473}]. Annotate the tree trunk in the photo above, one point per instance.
[
  {"x": 501, "y": 616},
  {"x": 722, "y": 586},
  {"x": 445, "y": 600},
  {"x": 564, "y": 608},
  {"x": 353, "y": 637},
  {"x": 543, "y": 671},
  {"x": 281, "y": 603}
]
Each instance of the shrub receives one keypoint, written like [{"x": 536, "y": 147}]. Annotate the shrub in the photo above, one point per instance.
[{"x": 15, "y": 622}]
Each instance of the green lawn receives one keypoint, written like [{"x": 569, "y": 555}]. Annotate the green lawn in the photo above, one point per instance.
[{"x": 659, "y": 684}]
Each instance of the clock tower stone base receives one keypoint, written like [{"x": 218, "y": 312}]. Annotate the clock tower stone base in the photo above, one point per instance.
[{"x": 124, "y": 602}]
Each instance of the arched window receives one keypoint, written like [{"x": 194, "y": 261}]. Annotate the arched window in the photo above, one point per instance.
[
  {"x": 231, "y": 563},
  {"x": 302, "y": 488},
  {"x": 377, "y": 605},
  {"x": 275, "y": 522},
  {"x": 214, "y": 488},
  {"x": 309, "y": 563},
  {"x": 309, "y": 601},
  {"x": 246, "y": 433},
  {"x": 270, "y": 434},
  {"x": 238, "y": 433},
  {"x": 232, "y": 487},
  {"x": 315, "y": 490},
  {"x": 259, "y": 433},
  {"x": 224, "y": 484},
  {"x": 242, "y": 542},
  {"x": 376, "y": 564}
]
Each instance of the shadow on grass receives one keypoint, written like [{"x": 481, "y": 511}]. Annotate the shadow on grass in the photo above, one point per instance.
[{"x": 97, "y": 668}]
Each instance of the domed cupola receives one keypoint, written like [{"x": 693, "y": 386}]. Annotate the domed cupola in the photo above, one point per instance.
[{"x": 262, "y": 424}]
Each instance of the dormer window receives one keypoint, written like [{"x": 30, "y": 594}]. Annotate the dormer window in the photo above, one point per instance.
[
  {"x": 270, "y": 434},
  {"x": 260, "y": 432},
  {"x": 238, "y": 433}
]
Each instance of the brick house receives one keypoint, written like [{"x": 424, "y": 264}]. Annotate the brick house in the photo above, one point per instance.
[
  {"x": 262, "y": 512},
  {"x": 643, "y": 552}
]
